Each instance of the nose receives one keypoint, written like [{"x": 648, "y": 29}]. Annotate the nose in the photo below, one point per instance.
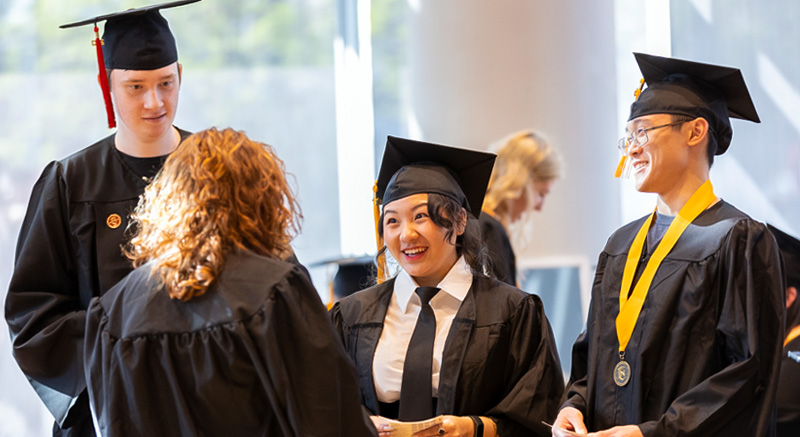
[
  {"x": 634, "y": 149},
  {"x": 409, "y": 232},
  {"x": 153, "y": 99}
]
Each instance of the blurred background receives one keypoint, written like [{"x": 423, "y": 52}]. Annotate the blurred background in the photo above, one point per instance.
[{"x": 324, "y": 82}]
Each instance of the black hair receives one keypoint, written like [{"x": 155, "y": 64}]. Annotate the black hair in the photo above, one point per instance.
[{"x": 446, "y": 212}]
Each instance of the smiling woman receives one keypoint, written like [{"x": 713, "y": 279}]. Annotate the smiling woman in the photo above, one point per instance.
[
  {"x": 424, "y": 249},
  {"x": 442, "y": 338}
]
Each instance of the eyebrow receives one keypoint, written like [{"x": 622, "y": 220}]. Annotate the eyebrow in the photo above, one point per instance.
[{"x": 391, "y": 211}]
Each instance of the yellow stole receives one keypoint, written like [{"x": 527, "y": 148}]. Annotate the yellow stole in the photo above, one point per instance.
[
  {"x": 631, "y": 307},
  {"x": 794, "y": 333}
]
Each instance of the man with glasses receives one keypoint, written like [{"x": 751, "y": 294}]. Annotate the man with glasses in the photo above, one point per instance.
[{"x": 684, "y": 329}]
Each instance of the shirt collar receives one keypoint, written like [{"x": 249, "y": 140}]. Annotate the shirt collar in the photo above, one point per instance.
[{"x": 456, "y": 283}]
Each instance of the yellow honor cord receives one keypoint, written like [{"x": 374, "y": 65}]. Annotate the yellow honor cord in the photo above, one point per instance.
[
  {"x": 631, "y": 307},
  {"x": 794, "y": 333}
]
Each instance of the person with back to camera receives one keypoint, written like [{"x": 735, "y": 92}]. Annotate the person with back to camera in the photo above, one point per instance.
[
  {"x": 686, "y": 316},
  {"x": 69, "y": 245},
  {"x": 214, "y": 333},
  {"x": 525, "y": 170},
  {"x": 788, "y": 398},
  {"x": 441, "y": 338}
]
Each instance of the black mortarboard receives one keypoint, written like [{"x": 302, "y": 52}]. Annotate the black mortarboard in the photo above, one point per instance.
[
  {"x": 694, "y": 89},
  {"x": 136, "y": 39},
  {"x": 413, "y": 167},
  {"x": 353, "y": 274},
  {"x": 790, "y": 250}
]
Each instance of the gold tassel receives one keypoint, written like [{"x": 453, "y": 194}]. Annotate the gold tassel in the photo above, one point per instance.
[
  {"x": 621, "y": 166},
  {"x": 638, "y": 91},
  {"x": 376, "y": 210}
]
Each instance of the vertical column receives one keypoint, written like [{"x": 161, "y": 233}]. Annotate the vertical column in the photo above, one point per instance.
[
  {"x": 482, "y": 69},
  {"x": 354, "y": 127}
]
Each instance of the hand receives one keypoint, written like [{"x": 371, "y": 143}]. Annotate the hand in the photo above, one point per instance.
[
  {"x": 619, "y": 431},
  {"x": 570, "y": 419},
  {"x": 384, "y": 430},
  {"x": 453, "y": 426}
]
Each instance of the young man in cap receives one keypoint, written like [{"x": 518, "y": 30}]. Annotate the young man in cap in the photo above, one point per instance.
[
  {"x": 69, "y": 247},
  {"x": 684, "y": 329}
]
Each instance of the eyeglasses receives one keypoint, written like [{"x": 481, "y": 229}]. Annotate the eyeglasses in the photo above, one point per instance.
[{"x": 638, "y": 138}]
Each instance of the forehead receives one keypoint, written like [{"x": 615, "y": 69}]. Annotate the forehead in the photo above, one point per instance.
[
  {"x": 143, "y": 75},
  {"x": 406, "y": 203}
]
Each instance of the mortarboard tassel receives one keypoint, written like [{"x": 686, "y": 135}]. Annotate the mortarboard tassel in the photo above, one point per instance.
[
  {"x": 638, "y": 91},
  {"x": 381, "y": 259},
  {"x": 621, "y": 167},
  {"x": 103, "y": 78}
]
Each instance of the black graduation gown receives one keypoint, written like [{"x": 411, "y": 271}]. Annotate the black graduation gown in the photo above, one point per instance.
[
  {"x": 67, "y": 254},
  {"x": 499, "y": 359},
  {"x": 254, "y": 356},
  {"x": 789, "y": 393},
  {"x": 501, "y": 254},
  {"x": 704, "y": 353}
]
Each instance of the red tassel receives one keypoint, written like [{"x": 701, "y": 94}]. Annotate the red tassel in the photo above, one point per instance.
[{"x": 103, "y": 78}]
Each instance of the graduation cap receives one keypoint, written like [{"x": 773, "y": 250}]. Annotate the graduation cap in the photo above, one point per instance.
[
  {"x": 694, "y": 89},
  {"x": 412, "y": 167},
  {"x": 352, "y": 274},
  {"x": 136, "y": 39}
]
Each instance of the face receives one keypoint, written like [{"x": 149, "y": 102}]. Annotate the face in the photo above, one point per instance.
[
  {"x": 663, "y": 160},
  {"x": 531, "y": 199},
  {"x": 416, "y": 242},
  {"x": 145, "y": 100}
]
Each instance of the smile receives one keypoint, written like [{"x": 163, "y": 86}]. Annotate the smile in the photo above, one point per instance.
[{"x": 414, "y": 252}]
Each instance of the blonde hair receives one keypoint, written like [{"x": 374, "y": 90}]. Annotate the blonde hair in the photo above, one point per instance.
[
  {"x": 217, "y": 192},
  {"x": 522, "y": 158}
]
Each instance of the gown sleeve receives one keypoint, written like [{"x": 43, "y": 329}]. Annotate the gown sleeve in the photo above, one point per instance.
[
  {"x": 534, "y": 382},
  {"x": 749, "y": 329},
  {"x": 43, "y": 309},
  {"x": 576, "y": 393},
  {"x": 308, "y": 373}
]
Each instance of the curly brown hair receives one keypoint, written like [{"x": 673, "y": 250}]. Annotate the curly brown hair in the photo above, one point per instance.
[{"x": 217, "y": 192}]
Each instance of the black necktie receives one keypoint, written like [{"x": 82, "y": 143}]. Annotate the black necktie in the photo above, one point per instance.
[{"x": 416, "y": 402}]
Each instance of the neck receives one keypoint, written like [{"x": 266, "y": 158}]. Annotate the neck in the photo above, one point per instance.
[
  {"x": 128, "y": 143},
  {"x": 671, "y": 202}
]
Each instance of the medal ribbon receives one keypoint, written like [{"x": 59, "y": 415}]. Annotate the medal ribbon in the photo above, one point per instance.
[
  {"x": 631, "y": 307},
  {"x": 794, "y": 333}
]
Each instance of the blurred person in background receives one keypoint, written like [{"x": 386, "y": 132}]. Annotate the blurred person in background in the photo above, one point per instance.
[
  {"x": 525, "y": 170},
  {"x": 789, "y": 382}
]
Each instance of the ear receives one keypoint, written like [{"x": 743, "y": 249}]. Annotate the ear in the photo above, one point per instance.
[
  {"x": 698, "y": 133},
  {"x": 461, "y": 227},
  {"x": 791, "y": 295},
  {"x": 180, "y": 73}
]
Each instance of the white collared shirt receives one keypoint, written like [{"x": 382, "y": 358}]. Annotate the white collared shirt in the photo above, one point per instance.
[{"x": 400, "y": 321}]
